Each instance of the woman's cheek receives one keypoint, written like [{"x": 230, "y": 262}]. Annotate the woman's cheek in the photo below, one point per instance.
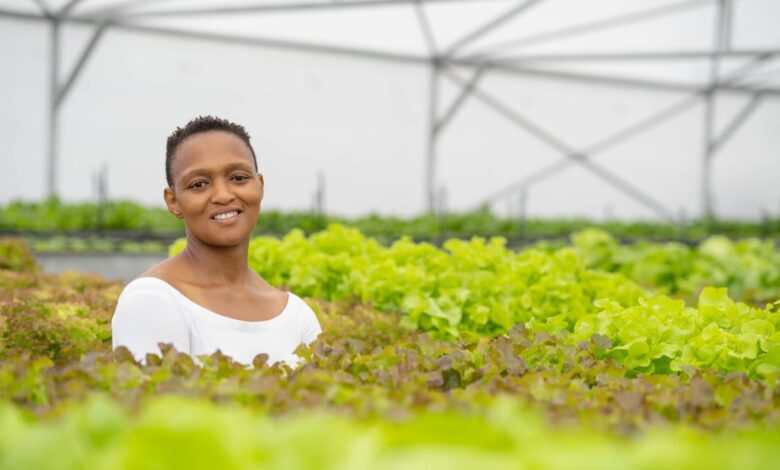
[{"x": 255, "y": 196}]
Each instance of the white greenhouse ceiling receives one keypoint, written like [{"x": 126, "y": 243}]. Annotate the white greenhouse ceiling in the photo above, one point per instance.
[
  {"x": 524, "y": 62},
  {"x": 666, "y": 40}
]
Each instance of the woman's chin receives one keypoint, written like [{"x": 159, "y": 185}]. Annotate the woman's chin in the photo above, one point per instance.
[{"x": 226, "y": 240}]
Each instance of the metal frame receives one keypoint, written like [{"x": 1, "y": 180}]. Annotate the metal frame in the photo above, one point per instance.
[{"x": 442, "y": 61}]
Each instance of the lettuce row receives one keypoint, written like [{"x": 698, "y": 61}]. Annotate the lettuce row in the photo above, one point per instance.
[
  {"x": 749, "y": 268},
  {"x": 480, "y": 288}
]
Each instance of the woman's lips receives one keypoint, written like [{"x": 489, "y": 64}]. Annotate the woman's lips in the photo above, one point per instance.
[{"x": 227, "y": 221}]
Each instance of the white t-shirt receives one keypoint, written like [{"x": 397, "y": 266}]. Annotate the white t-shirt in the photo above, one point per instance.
[{"x": 151, "y": 311}]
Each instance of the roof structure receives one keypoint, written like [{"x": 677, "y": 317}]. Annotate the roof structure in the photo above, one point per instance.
[{"x": 463, "y": 41}]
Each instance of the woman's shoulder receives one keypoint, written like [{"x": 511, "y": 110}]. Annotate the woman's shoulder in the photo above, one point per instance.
[
  {"x": 301, "y": 307},
  {"x": 309, "y": 323},
  {"x": 148, "y": 283},
  {"x": 147, "y": 290},
  {"x": 160, "y": 277},
  {"x": 295, "y": 301}
]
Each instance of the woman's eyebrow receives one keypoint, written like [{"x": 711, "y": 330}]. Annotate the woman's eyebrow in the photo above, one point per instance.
[{"x": 206, "y": 171}]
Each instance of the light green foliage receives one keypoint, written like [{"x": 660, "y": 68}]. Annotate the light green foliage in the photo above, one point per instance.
[
  {"x": 749, "y": 268},
  {"x": 662, "y": 334},
  {"x": 372, "y": 394},
  {"x": 479, "y": 287},
  {"x": 466, "y": 287},
  {"x": 173, "y": 433}
]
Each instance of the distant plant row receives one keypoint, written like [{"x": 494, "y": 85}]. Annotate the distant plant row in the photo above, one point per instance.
[{"x": 55, "y": 216}]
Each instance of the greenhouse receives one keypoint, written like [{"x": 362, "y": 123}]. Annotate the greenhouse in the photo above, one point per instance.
[{"x": 390, "y": 234}]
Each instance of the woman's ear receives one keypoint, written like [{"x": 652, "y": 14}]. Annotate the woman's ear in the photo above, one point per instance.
[{"x": 170, "y": 200}]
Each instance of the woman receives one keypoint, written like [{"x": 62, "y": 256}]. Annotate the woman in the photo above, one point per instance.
[{"x": 206, "y": 298}]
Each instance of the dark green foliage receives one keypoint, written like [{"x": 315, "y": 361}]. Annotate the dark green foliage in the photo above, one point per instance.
[
  {"x": 53, "y": 215},
  {"x": 366, "y": 364},
  {"x": 370, "y": 394}
]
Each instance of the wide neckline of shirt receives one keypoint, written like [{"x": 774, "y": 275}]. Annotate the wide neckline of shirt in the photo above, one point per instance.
[{"x": 219, "y": 316}]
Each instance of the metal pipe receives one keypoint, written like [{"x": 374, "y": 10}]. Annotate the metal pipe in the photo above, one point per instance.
[
  {"x": 405, "y": 58},
  {"x": 68, "y": 7},
  {"x": 426, "y": 28},
  {"x": 619, "y": 136},
  {"x": 566, "y": 150},
  {"x": 433, "y": 108},
  {"x": 591, "y": 26},
  {"x": 735, "y": 124},
  {"x": 118, "y": 7},
  {"x": 277, "y": 7},
  {"x": 722, "y": 19},
  {"x": 608, "y": 80},
  {"x": 62, "y": 92},
  {"x": 54, "y": 57},
  {"x": 275, "y": 44},
  {"x": 43, "y": 7},
  {"x": 526, "y": 182},
  {"x": 633, "y": 56},
  {"x": 490, "y": 26},
  {"x": 430, "y": 168},
  {"x": 459, "y": 100},
  {"x": 232, "y": 39}
]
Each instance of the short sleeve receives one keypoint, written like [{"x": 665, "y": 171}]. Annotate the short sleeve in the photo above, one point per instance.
[
  {"x": 311, "y": 326},
  {"x": 145, "y": 317}
]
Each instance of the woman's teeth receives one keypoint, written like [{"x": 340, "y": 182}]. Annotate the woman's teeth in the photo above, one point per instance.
[{"x": 226, "y": 215}]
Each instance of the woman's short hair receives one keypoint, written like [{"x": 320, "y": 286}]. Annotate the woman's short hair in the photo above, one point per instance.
[{"x": 196, "y": 126}]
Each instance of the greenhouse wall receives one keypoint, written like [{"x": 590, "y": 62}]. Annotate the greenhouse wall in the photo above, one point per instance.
[{"x": 363, "y": 124}]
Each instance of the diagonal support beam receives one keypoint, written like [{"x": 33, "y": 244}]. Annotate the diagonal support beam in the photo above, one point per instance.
[
  {"x": 733, "y": 126},
  {"x": 746, "y": 71},
  {"x": 570, "y": 153},
  {"x": 458, "y": 101},
  {"x": 490, "y": 26},
  {"x": 427, "y": 30},
  {"x": 397, "y": 57},
  {"x": 117, "y": 8},
  {"x": 592, "y": 26},
  {"x": 609, "y": 80},
  {"x": 63, "y": 90},
  {"x": 45, "y": 10},
  {"x": 620, "y": 136},
  {"x": 639, "y": 127},
  {"x": 526, "y": 182},
  {"x": 68, "y": 7},
  {"x": 278, "y": 7}
]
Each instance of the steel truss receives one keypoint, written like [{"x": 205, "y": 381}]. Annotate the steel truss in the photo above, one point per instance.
[{"x": 442, "y": 61}]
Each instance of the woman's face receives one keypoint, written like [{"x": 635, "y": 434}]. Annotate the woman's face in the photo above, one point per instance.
[{"x": 215, "y": 188}]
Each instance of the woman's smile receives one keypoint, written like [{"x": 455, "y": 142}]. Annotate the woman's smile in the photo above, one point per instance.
[{"x": 226, "y": 218}]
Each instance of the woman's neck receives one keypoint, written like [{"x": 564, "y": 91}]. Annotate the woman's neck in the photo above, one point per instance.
[{"x": 221, "y": 266}]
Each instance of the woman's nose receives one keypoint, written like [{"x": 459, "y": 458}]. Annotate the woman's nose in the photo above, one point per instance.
[{"x": 222, "y": 192}]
